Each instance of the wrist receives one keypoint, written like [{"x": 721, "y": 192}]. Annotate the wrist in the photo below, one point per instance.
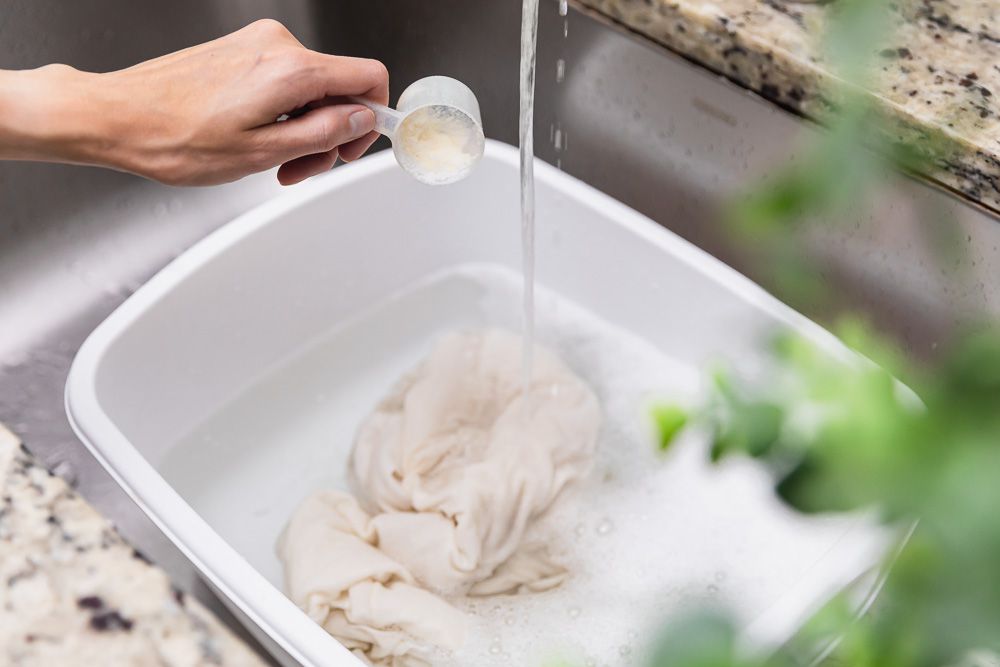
[{"x": 56, "y": 113}]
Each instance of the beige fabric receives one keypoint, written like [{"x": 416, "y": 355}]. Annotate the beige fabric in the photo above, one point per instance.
[
  {"x": 460, "y": 467},
  {"x": 453, "y": 469},
  {"x": 358, "y": 594}
]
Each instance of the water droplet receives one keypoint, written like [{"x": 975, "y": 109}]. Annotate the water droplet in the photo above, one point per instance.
[
  {"x": 579, "y": 530},
  {"x": 713, "y": 589},
  {"x": 589, "y": 662},
  {"x": 495, "y": 609},
  {"x": 720, "y": 576},
  {"x": 624, "y": 650},
  {"x": 510, "y": 620},
  {"x": 605, "y": 526},
  {"x": 574, "y": 612},
  {"x": 496, "y": 649},
  {"x": 563, "y": 7},
  {"x": 560, "y": 70},
  {"x": 565, "y": 28}
]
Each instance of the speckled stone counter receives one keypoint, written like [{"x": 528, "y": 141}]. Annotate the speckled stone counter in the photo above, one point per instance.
[
  {"x": 938, "y": 75},
  {"x": 72, "y": 592}
]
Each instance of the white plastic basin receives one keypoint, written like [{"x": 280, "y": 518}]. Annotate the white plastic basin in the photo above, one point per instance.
[{"x": 245, "y": 313}]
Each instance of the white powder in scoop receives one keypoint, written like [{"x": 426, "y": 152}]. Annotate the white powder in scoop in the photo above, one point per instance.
[{"x": 438, "y": 144}]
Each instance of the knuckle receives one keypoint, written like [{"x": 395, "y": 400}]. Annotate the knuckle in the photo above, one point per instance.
[
  {"x": 270, "y": 27},
  {"x": 326, "y": 134},
  {"x": 57, "y": 68},
  {"x": 378, "y": 71},
  {"x": 259, "y": 156}
]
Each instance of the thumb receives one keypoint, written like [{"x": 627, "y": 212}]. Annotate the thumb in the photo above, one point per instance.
[{"x": 318, "y": 131}]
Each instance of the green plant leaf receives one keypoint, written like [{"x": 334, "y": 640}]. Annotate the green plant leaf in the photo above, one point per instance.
[{"x": 669, "y": 420}]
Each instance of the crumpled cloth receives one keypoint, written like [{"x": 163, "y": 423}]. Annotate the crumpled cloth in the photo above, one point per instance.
[
  {"x": 450, "y": 471},
  {"x": 369, "y": 602}
]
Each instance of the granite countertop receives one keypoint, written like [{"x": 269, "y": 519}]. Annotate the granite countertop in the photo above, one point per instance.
[
  {"x": 72, "y": 592},
  {"x": 939, "y": 75}
]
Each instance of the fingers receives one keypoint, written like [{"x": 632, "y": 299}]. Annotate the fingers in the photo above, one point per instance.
[
  {"x": 341, "y": 75},
  {"x": 299, "y": 169},
  {"x": 318, "y": 131},
  {"x": 354, "y": 76},
  {"x": 311, "y": 142}
]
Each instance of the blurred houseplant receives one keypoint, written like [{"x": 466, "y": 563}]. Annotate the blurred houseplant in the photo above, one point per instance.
[{"x": 934, "y": 461}]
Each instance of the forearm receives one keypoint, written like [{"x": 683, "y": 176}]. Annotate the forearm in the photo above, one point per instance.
[{"x": 56, "y": 114}]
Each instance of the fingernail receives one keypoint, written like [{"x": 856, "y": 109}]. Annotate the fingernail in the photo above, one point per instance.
[{"x": 362, "y": 122}]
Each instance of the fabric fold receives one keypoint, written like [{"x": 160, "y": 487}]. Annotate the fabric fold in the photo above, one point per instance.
[
  {"x": 358, "y": 594},
  {"x": 451, "y": 470}
]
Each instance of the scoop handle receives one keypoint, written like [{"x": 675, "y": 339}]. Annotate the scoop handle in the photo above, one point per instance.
[{"x": 387, "y": 119}]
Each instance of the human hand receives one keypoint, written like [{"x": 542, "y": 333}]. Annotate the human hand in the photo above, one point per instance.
[{"x": 204, "y": 115}]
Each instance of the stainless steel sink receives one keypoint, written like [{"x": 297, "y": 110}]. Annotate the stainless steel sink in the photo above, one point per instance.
[{"x": 642, "y": 124}]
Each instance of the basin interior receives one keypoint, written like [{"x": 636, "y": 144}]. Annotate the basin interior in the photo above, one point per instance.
[
  {"x": 644, "y": 537},
  {"x": 246, "y": 374}
]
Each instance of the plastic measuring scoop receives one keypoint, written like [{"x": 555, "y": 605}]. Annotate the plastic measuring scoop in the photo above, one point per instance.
[{"x": 436, "y": 130}]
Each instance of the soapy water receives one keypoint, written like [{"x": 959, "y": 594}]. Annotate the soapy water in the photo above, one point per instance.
[
  {"x": 644, "y": 536},
  {"x": 641, "y": 537},
  {"x": 438, "y": 144}
]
